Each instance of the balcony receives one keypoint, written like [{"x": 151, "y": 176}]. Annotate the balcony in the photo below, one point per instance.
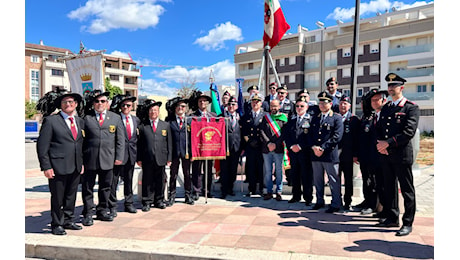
[
  {"x": 411, "y": 73},
  {"x": 311, "y": 65},
  {"x": 411, "y": 50},
  {"x": 330, "y": 63},
  {"x": 419, "y": 96},
  {"x": 133, "y": 73},
  {"x": 311, "y": 84},
  {"x": 250, "y": 72}
]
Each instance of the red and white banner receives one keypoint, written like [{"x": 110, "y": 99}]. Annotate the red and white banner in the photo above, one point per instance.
[
  {"x": 275, "y": 25},
  {"x": 85, "y": 74},
  {"x": 208, "y": 139}
]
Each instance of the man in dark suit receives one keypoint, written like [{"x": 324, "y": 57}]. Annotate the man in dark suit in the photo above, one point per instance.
[
  {"x": 313, "y": 108},
  {"x": 180, "y": 131},
  {"x": 332, "y": 85},
  {"x": 295, "y": 135},
  {"x": 250, "y": 130},
  {"x": 154, "y": 153},
  {"x": 348, "y": 147},
  {"x": 326, "y": 133},
  {"x": 198, "y": 169},
  {"x": 126, "y": 170},
  {"x": 59, "y": 150},
  {"x": 397, "y": 126},
  {"x": 229, "y": 166},
  {"x": 103, "y": 147},
  {"x": 247, "y": 104}
]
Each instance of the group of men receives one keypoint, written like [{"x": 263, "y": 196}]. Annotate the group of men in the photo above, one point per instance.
[{"x": 274, "y": 133}]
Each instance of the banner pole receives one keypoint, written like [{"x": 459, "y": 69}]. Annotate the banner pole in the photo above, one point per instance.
[{"x": 206, "y": 181}]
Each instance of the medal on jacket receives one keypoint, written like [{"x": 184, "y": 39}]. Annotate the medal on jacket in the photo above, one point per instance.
[
  {"x": 112, "y": 128},
  {"x": 163, "y": 132}
]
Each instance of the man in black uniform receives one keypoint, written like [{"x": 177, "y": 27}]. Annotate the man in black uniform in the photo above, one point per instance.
[
  {"x": 251, "y": 123},
  {"x": 348, "y": 147},
  {"x": 332, "y": 85},
  {"x": 229, "y": 166},
  {"x": 126, "y": 170},
  {"x": 247, "y": 104},
  {"x": 180, "y": 130},
  {"x": 313, "y": 108},
  {"x": 286, "y": 106},
  {"x": 59, "y": 150},
  {"x": 295, "y": 135},
  {"x": 397, "y": 126}
]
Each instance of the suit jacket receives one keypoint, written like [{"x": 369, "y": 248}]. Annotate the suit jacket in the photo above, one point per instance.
[
  {"x": 397, "y": 125},
  {"x": 350, "y": 138},
  {"x": 267, "y": 135},
  {"x": 368, "y": 140},
  {"x": 327, "y": 135},
  {"x": 250, "y": 128},
  {"x": 179, "y": 138},
  {"x": 155, "y": 146},
  {"x": 131, "y": 145},
  {"x": 294, "y": 133},
  {"x": 103, "y": 144},
  {"x": 233, "y": 132},
  {"x": 287, "y": 107},
  {"x": 56, "y": 147}
]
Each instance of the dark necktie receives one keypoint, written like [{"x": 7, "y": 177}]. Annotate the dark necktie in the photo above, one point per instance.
[
  {"x": 181, "y": 122},
  {"x": 73, "y": 129},
  {"x": 128, "y": 128}
]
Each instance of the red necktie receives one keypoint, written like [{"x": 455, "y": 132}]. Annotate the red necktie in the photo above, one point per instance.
[
  {"x": 128, "y": 128},
  {"x": 73, "y": 128},
  {"x": 154, "y": 127},
  {"x": 101, "y": 119},
  {"x": 181, "y": 123}
]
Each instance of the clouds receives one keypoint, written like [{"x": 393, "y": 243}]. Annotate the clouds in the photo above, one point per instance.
[
  {"x": 151, "y": 86},
  {"x": 372, "y": 7},
  {"x": 105, "y": 15},
  {"x": 216, "y": 37}
]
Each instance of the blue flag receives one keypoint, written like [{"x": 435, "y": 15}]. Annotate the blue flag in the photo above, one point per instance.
[{"x": 239, "y": 84}]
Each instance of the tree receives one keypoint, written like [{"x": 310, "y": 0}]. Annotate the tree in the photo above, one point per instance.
[
  {"x": 113, "y": 90},
  {"x": 188, "y": 86},
  {"x": 30, "y": 109}
]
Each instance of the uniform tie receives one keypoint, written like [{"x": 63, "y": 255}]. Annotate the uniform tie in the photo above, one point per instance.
[
  {"x": 128, "y": 128},
  {"x": 73, "y": 129},
  {"x": 181, "y": 122},
  {"x": 101, "y": 119},
  {"x": 154, "y": 127}
]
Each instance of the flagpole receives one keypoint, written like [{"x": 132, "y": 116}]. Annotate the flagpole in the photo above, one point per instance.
[
  {"x": 261, "y": 70},
  {"x": 274, "y": 70}
]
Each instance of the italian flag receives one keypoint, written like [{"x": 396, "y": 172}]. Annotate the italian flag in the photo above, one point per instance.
[{"x": 275, "y": 25}]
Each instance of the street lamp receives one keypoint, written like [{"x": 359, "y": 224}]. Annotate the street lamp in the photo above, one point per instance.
[{"x": 321, "y": 26}]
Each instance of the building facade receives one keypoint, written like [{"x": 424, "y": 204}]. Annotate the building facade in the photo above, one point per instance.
[
  {"x": 45, "y": 70},
  {"x": 400, "y": 41}
]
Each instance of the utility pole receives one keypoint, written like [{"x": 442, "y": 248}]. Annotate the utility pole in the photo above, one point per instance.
[{"x": 354, "y": 65}]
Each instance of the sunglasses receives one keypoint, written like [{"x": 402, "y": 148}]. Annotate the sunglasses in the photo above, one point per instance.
[
  {"x": 272, "y": 88},
  {"x": 182, "y": 106},
  {"x": 299, "y": 106},
  {"x": 70, "y": 102},
  {"x": 100, "y": 101},
  {"x": 232, "y": 104},
  {"x": 331, "y": 84},
  {"x": 125, "y": 105}
]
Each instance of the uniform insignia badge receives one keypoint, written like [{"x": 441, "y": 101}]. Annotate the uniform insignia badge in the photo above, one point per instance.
[
  {"x": 366, "y": 128},
  {"x": 83, "y": 133},
  {"x": 112, "y": 128},
  {"x": 163, "y": 132}
]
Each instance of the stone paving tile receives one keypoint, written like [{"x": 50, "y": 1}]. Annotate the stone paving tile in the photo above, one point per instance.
[
  {"x": 225, "y": 240},
  {"x": 200, "y": 227},
  {"x": 292, "y": 245},
  {"x": 232, "y": 229},
  {"x": 265, "y": 231},
  {"x": 255, "y": 242}
]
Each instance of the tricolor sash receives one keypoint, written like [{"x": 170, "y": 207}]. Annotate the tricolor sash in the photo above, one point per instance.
[{"x": 277, "y": 130}]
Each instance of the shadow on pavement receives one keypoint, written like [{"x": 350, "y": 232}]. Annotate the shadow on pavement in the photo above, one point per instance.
[{"x": 394, "y": 249}]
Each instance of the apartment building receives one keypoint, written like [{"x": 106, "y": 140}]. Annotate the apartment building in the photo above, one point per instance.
[
  {"x": 400, "y": 41},
  {"x": 45, "y": 70}
]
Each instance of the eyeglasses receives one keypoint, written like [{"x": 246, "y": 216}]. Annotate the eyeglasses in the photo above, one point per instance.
[
  {"x": 100, "y": 101},
  {"x": 299, "y": 106},
  {"x": 331, "y": 84},
  {"x": 282, "y": 93},
  {"x": 124, "y": 105},
  {"x": 70, "y": 102},
  {"x": 182, "y": 106},
  {"x": 272, "y": 88},
  {"x": 232, "y": 104}
]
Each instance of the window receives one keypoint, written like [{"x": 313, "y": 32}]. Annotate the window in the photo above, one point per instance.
[
  {"x": 56, "y": 72},
  {"x": 421, "y": 88},
  {"x": 360, "y": 92},
  {"x": 346, "y": 92},
  {"x": 346, "y": 73},
  {"x": 291, "y": 78},
  {"x": 374, "y": 47},
  {"x": 114, "y": 77},
  {"x": 346, "y": 52},
  {"x": 291, "y": 60},
  {"x": 108, "y": 65},
  {"x": 281, "y": 62},
  {"x": 34, "y": 58},
  {"x": 432, "y": 88},
  {"x": 360, "y": 70},
  {"x": 250, "y": 66},
  {"x": 34, "y": 85},
  {"x": 374, "y": 69}
]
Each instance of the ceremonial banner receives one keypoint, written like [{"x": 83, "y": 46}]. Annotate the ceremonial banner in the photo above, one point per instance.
[
  {"x": 239, "y": 84},
  {"x": 208, "y": 139},
  {"x": 85, "y": 74}
]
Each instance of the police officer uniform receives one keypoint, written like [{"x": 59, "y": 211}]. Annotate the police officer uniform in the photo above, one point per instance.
[
  {"x": 336, "y": 96},
  {"x": 250, "y": 130},
  {"x": 397, "y": 126},
  {"x": 286, "y": 106},
  {"x": 247, "y": 104}
]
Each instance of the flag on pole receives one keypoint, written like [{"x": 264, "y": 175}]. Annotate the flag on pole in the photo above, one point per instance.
[
  {"x": 82, "y": 47},
  {"x": 275, "y": 25},
  {"x": 239, "y": 84},
  {"x": 215, "y": 105}
]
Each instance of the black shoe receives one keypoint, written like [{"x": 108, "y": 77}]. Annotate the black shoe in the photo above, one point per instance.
[
  {"x": 209, "y": 195},
  {"x": 58, "y": 230},
  {"x": 378, "y": 215},
  {"x": 362, "y": 205},
  {"x": 113, "y": 212},
  {"x": 318, "y": 206},
  {"x": 195, "y": 197},
  {"x": 223, "y": 195},
  {"x": 146, "y": 208},
  {"x": 231, "y": 193},
  {"x": 72, "y": 226},
  {"x": 104, "y": 217},
  {"x": 388, "y": 223},
  {"x": 346, "y": 207},
  {"x": 87, "y": 221},
  {"x": 130, "y": 209},
  {"x": 366, "y": 211},
  {"x": 189, "y": 201},
  {"x": 293, "y": 200},
  {"x": 160, "y": 205},
  {"x": 332, "y": 210},
  {"x": 404, "y": 231},
  {"x": 307, "y": 203},
  {"x": 249, "y": 194}
]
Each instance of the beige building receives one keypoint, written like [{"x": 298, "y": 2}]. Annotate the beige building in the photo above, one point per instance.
[
  {"x": 400, "y": 41},
  {"x": 45, "y": 70}
]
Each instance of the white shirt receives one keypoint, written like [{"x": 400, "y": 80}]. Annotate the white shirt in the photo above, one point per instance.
[
  {"x": 396, "y": 102},
  {"x": 67, "y": 120},
  {"x": 154, "y": 122},
  {"x": 99, "y": 115}
]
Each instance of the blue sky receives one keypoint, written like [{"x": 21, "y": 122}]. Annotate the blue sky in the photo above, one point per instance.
[{"x": 179, "y": 40}]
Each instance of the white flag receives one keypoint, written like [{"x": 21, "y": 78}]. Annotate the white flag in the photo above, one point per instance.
[{"x": 85, "y": 74}]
